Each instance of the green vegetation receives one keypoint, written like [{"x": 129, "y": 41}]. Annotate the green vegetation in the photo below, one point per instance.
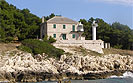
[
  {"x": 49, "y": 40},
  {"x": 16, "y": 23},
  {"x": 86, "y": 52},
  {"x": 25, "y": 48},
  {"x": 39, "y": 47},
  {"x": 118, "y": 51},
  {"x": 82, "y": 51}
]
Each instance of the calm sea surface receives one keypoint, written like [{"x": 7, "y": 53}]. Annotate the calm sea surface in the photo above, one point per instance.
[{"x": 110, "y": 80}]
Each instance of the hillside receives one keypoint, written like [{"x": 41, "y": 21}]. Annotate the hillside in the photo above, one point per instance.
[{"x": 16, "y": 24}]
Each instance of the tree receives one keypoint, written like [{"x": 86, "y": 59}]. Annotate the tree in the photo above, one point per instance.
[
  {"x": 125, "y": 37},
  {"x": 18, "y": 23},
  {"x": 48, "y": 17}
]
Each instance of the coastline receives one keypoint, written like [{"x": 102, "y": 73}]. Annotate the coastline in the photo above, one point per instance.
[
  {"x": 29, "y": 76},
  {"x": 23, "y": 67}
]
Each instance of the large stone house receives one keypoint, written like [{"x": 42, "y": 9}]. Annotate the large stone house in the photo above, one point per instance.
[
  {"x": 68, "y": 32},
  {"x": 62, "y": 28}
]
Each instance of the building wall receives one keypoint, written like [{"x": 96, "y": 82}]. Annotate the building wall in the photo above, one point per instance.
[
  {"x": 47, "y": 29},
  {"x": 94, "y": 45},
  {"x": 59, "y": 30},
  {"x": 43, "y": 30}
]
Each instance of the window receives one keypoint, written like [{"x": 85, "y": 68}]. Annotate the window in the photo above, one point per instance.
[
  {"x": 64, "y": 36},
  {"x": 54, "y": 26},
  {"x": 73, "y": 36},
  {"x": 64, "y": 26},
  {"x": 54, "y": 35},
  {"x": 73, "y": 28}
]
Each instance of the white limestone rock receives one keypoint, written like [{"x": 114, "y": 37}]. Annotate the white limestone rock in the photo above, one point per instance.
[{"x": 22, "y": 61}]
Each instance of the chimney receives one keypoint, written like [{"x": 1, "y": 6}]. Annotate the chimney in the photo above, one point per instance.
[{"x": 43, "y": 19}]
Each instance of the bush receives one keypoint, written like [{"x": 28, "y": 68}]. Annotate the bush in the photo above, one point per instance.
[
  {"x": 6, "y": 40},
  {"x": 39, "y": 47},
  {"x": 49, "y": 40},
  {"x": 45, "y": 39},
  {"x": 9, "y": 39},
  {"x": 25, "y": 48},
  {"x": 118, "y": 46}
]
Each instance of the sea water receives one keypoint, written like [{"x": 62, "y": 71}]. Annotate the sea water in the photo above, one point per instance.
[
  {"x": 111, "y": 80},
  {"x": 127, "y": 77}
]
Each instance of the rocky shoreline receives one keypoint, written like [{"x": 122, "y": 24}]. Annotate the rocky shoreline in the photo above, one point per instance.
[
  {"x": 23, "y": 67},
  {"x": 30, "y": 76}
]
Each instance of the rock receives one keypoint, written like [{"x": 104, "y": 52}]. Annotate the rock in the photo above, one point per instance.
[
  {"x": 62, "y": 58},
  {"x": 2, "y": 76},
  {"x": 116, "y": 64},
  {"x": 38, "y": 57},
  {"x": 26, "y": 68}
]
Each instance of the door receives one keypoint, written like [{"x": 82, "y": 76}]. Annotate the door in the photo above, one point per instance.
[{"x": 64, "y": 36}]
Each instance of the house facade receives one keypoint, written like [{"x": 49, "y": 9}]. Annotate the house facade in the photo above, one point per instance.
[
  {"x": 68, "y": 32},
  {"x": 62, "y": 28}
]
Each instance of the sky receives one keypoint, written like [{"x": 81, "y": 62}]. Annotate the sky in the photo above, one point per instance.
[{"x": 108, "y": 10}]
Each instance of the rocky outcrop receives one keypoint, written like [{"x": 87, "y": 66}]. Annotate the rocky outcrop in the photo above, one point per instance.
[
  {"x": 24, "y": 67},
  {"x": 86, "y": 64},
  {"x": 25, "y": 62}
]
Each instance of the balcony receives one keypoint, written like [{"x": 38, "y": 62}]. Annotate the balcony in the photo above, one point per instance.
[{"x": 80, "y": 27}]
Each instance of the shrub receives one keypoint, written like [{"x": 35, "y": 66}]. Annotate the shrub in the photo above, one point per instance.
[
  {"x": 51, "y": 40},
  {"x": 117, "y": 46},
  {"x": 25, "y": 48},
  {"x": 45, "y": 39},
  {"x": 9, "y": 39},
  {"x": 39, "y": 47}
]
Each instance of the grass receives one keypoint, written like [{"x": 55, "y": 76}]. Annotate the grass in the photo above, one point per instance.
[
  {"x": 95, "y": 53},
  {"x": 5, "y": 47},
  {"x": 10, "y": 54},
  {"x": 85, "y": 52},
  {"x": 8, "y": 46},
  {"x": 118, "y": 51}
]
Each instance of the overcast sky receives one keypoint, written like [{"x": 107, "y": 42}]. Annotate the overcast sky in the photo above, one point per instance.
[{"x": 109, "y": 10}]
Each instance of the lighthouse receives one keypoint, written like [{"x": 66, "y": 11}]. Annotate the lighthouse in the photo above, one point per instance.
[{"x": 94, "y": 25}]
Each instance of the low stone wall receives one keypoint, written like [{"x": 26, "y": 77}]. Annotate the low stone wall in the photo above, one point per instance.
[{"x": 94, "y": 45}]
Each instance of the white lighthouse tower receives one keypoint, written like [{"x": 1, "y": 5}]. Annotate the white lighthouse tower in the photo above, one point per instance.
[{"x": 94, "y": 25}]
